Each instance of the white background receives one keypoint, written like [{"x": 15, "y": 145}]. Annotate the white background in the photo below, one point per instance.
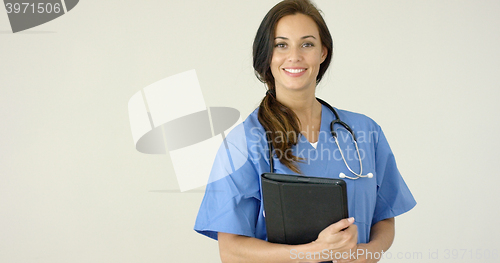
[{"x": 74, "y": 189}]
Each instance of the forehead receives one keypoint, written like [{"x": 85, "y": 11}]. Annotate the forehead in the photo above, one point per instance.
[{"x": 296, "y": 26}]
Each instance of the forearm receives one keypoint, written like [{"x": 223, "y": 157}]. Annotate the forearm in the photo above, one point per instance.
[
  {"x": 382, "y": 235},
  {"x": 235, "y": 248}
]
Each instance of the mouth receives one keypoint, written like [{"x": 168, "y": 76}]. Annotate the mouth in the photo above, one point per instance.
[{"x": 294, "y": 70}]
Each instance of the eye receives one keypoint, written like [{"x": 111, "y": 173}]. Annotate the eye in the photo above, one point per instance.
[
  {"x": 280, "y": 45},
  {"x": 308, "y": 44}
]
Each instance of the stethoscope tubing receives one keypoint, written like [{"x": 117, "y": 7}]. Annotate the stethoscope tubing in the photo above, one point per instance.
[{"x": 334, "y": 135}]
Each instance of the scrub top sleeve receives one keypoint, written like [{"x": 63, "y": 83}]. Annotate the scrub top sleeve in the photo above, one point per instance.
[
  {"x": 231, "y": 204},
  {"x": 393, "y": 196}
]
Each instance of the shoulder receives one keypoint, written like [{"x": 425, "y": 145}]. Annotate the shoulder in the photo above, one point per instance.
[
  {"x": 252, "y": 120},
  {"x": 246, "y": 135},
  {"x": 365, "y": 128},
  {"x": 253, "y": 129},
  {"x": 248, "y": 128},
  {"x": 357, "y": 119}
]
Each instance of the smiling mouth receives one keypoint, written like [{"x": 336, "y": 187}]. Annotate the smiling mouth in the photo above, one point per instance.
[{"x": 294, "y": 71}]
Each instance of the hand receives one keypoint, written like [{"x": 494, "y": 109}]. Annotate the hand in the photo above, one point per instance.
[
  {"x": 361, "y": 255},
  {"x": 339, "y": 238}
]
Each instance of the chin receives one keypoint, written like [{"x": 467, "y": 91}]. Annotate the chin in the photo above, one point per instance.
[{"x": 296, "y": 86}]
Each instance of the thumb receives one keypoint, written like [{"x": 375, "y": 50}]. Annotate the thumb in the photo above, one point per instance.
[{"x": 341, "y": 225}]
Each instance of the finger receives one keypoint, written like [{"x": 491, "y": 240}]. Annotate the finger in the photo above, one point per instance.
[
  {"x": 352, "y": 229},
  {"x": 354, "y": 235},
  {"x": 341, "y": 225},
  {"x": 349, "y": 238},
  {"x": 348, "y": 261}
]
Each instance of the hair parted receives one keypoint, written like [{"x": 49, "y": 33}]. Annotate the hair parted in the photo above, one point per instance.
[{"x": 280, "y": 122}]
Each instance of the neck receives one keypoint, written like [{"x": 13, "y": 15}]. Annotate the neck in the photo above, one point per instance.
[{"x": 303, "y": 103}]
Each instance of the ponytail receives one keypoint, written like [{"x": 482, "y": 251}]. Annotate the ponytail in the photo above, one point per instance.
[{"x": 282, "y": 127}]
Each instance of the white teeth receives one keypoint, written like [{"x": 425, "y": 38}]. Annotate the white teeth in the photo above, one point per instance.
[{"x": 294, "y": 70}]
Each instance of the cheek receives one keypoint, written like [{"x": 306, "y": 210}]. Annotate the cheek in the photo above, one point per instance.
[
  {"x": 276, "y": 60},
  {"x": 275, "y": 64},
  {"x": 317, "y": 58},
  {"x": 315, "y": 61}
]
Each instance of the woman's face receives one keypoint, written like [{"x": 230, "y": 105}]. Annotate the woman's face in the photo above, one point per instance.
[{"x": 297, "y": 53}]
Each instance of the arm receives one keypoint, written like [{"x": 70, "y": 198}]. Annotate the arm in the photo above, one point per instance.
[
  {"x": 236, "y": 248},
  {"x": 381, "y": 237}
]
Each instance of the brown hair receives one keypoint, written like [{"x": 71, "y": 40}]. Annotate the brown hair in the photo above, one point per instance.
[{"x": 280, "y": 122}]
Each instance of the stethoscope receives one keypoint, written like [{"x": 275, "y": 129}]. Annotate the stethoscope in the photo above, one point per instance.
[{"x": 334, "y": 135}]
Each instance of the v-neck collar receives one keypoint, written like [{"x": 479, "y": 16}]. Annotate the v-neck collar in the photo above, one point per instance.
[{"x": 323, "y": 130}]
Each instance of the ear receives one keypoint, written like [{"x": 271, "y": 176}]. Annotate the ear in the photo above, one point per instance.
[{"x": 324, "y": 53}]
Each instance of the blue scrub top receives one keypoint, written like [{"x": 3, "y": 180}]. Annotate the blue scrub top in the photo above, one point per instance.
[{"x": 233, "y": 199}]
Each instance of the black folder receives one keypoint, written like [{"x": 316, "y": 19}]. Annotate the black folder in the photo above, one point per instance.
[{"x": 298, "y": 208}]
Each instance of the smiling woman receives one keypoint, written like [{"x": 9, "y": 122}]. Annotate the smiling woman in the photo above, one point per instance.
[{"x": 291, "y": 52}]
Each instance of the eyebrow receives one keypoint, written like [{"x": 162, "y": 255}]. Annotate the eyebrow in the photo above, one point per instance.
[{"x": 304, "y": 37}]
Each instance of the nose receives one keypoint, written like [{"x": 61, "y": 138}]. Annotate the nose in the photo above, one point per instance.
[{"x": 295, "y": 54}]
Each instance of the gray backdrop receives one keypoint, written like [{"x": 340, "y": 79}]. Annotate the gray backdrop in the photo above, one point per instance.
[{"x": 74, "y": 189}]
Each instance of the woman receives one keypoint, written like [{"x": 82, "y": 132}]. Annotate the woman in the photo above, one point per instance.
[{"x": 292, "y": 51}]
